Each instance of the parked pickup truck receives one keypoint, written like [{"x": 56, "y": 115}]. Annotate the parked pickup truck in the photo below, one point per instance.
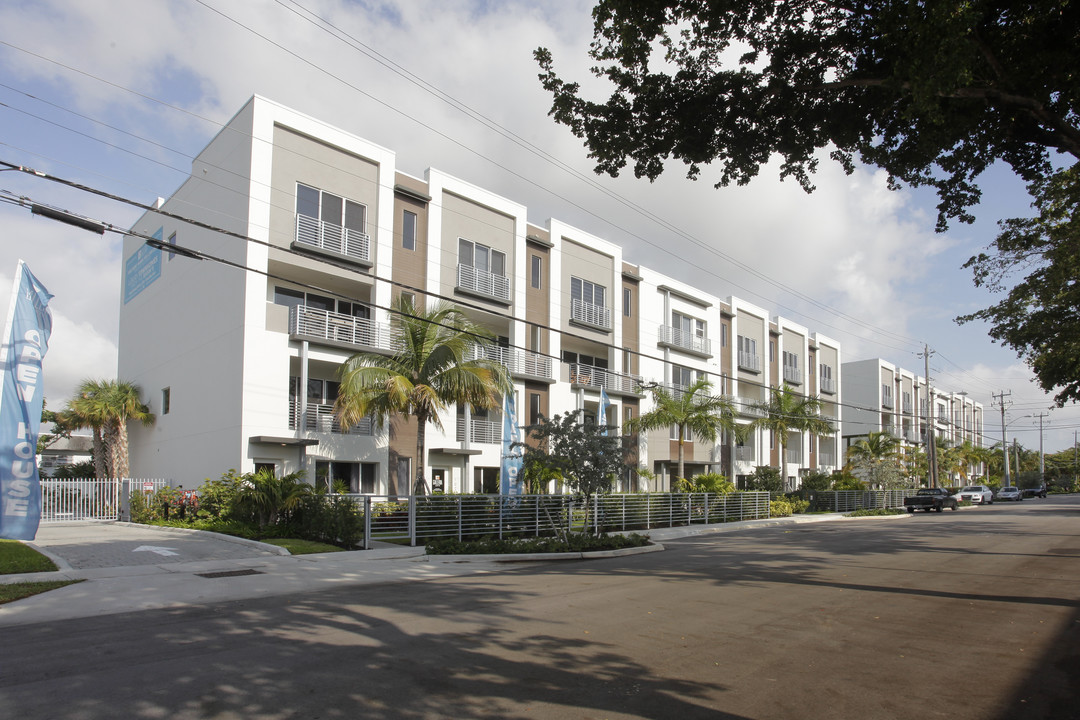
[{"x": 931, "y": 499}]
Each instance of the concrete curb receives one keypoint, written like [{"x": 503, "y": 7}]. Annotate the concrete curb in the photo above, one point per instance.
[{"x": 544, "y": 557}]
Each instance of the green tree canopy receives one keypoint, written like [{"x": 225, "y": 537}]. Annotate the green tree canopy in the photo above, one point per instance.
[
  {"x": 430, "y": 372},
  {"x": 586, "y": 457},
  {"x": 876, "y": 460},
  {"x": 932, "y": 92}
]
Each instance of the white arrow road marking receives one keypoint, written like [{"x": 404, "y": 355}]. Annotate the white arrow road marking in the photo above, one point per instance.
[{"x": 158, "y": 550}]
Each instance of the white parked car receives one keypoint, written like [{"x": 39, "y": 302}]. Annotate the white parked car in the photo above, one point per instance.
[
  {"x": 1010, "y": 493},
  {"x": 977, "y": 494}
]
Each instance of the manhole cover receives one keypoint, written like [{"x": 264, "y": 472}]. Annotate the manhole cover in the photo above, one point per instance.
[{"x": 229, "y": 573}]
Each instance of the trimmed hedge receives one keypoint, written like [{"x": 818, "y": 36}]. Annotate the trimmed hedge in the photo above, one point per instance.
[{"x": 575, "y": 542}]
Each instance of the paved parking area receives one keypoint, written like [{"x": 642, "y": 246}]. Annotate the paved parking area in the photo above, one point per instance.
[{"x": 90, "y": 545}]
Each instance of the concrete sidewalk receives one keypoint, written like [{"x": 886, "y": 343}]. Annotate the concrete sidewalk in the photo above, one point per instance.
[{"x": 261, "y": 571}]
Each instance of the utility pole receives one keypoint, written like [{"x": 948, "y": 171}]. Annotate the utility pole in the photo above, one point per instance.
[
  {"x": 931, "y": 448},
  {"x": 1042, "y": 459},
  {"x": 1000, "y": 399}
]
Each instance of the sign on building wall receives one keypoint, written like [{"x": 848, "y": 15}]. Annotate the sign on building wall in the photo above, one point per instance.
[
  {"x": 142, "y": 268},
  {"x": 26, "y": 340}
]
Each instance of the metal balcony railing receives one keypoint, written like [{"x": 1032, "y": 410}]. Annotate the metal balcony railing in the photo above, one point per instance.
[
  {"x": 669, "y": 335},
  {"x": 333, "y": 238},
  {"x": 749, "y": 361},
  {"x": 480, "y": 431},
  {"x": 340, "y": 327},
  {"x": 749, "y": 407},
  {"x": 744, "y": 453},
  {"x": 827, "y": 385},
  {"x": 516, "y": 360},
  {"x": 483, "y": 283},
  {"x": 793, "y": 374},
  {"x": 321, "y": 418},
  {"x": 600, "y": 378},
  {"x": 589, "y": 314}
]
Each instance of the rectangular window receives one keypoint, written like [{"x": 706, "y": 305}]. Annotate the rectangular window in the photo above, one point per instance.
[
  {"x": 409, "y": 297},
  {"x": 537, "y": 274},
  {"x": 747, "y": 345},
  {"x": 534, "y": 408},
  {"x": 408, "y": 230},
  {"x": 331, "y": 209},
  {"x": 536, "y": 339},
  {"x": 723, "y": 334},
  {"x": 587, "y": 292},
  {"x": 288, "y": 297},
  {"x": 166, "y": 400},
  {"x": 772, "y": 351},
  {"x": 627, "y": 301},
  {"x": 626, "y": 361},
  {"x": 481, "y": 257},
  {"x": 791, "y": 361},
  {"x": 172, "y": 241}
]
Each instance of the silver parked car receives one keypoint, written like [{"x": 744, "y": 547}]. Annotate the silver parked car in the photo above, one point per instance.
[
  {"x": 977, "y": 494},
  {"x": 1009, "y": 493}
]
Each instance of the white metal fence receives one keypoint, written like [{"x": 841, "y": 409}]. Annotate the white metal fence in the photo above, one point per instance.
[
  {"x": 852, "y": 500},
  {"x": 66, "y": 500},
  {"x": 468, "y": 517}
]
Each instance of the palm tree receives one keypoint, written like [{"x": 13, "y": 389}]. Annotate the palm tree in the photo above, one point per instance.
[
  {"x": 692, "y": 409},
  {"x": 122, "y": 404},
  {"x": 878, "y": 456},
  {"x": 787, "y": 411},
  {"x": 86, "y": 410},
  {"x": 106, "y": 406},
  {"x": 428, "y": 374}
]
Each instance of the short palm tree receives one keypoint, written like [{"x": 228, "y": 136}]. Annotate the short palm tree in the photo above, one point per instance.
[
  {"x": 429, "y": 373},
  {"x": 877, "y": 456},
  {"x": 106, "y": 407},
  {"x": 692, "y": 409},
  {"x": 787, "y": 411}
]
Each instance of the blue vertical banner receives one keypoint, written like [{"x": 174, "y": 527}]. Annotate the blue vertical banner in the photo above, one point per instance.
[
  {"x": 26, "y": 340},
  {"x": 601, "y": 418},
  {"x": 512, "y": 462}
]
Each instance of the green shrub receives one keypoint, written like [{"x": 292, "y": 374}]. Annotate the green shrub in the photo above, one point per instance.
[
  {"x": 330, "y": 519},
  {"x": 780, "y": 508},
  {"x": 573, "y": 542},
  {"x": 798, "y": 504},
  {"x": 817, "y": 481},
  {"x": 712, "y": 483},
  {"x": 872, "y": 512},
  {"x": 765, "y": 479}
]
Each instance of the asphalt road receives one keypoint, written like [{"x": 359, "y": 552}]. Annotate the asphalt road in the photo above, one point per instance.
[{"x": 970, "y": 614}]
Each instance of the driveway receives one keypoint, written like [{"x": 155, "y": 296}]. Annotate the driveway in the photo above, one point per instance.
[{"x": 90, "y": 545}]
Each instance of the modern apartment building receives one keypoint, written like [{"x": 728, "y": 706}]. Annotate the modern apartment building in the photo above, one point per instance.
[
  {"x": 883, "y": 397},
  {"x": 240, "y": 361}
]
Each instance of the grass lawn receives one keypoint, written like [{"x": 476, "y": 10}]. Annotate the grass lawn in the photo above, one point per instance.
[
  {"x": 18, "y": 558},
  {"x": 17, "y": 591},
  {"x": 302, "y": 547}
]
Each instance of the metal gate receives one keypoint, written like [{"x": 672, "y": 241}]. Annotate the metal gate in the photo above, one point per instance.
[{"x": 66, "y": 500}]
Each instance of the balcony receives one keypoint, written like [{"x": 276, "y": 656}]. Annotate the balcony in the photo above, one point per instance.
[
  {"x": 793, "y": 375},
  {"x": 751, "y": 362},
  {"x": 794, "y": 456},
  {"x": 483, "y": 283},
  {"x": 682, "y": 340},
  {"x": 887, "y": 401},
  {"x": 516, "y": 360},
  {"x": 595, "y": 316},
  {"x": 826, "y": 457},
  {"x": 907, "y": 407},
  {"x": 340, "y": 328},
  {"x": 480, "y": 431},
  {"x": 595, "y": 377},
  {"x": 827, "y": 385},
  {"x": 329, "y": 238},
  {"x": 321, "y": 418},
  {"x": 746, "y": 406},
  {"x": 744, "y": 453}
]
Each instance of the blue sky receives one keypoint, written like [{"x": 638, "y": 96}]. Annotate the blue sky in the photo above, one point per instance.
[{"x": 120, "y": 95}]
